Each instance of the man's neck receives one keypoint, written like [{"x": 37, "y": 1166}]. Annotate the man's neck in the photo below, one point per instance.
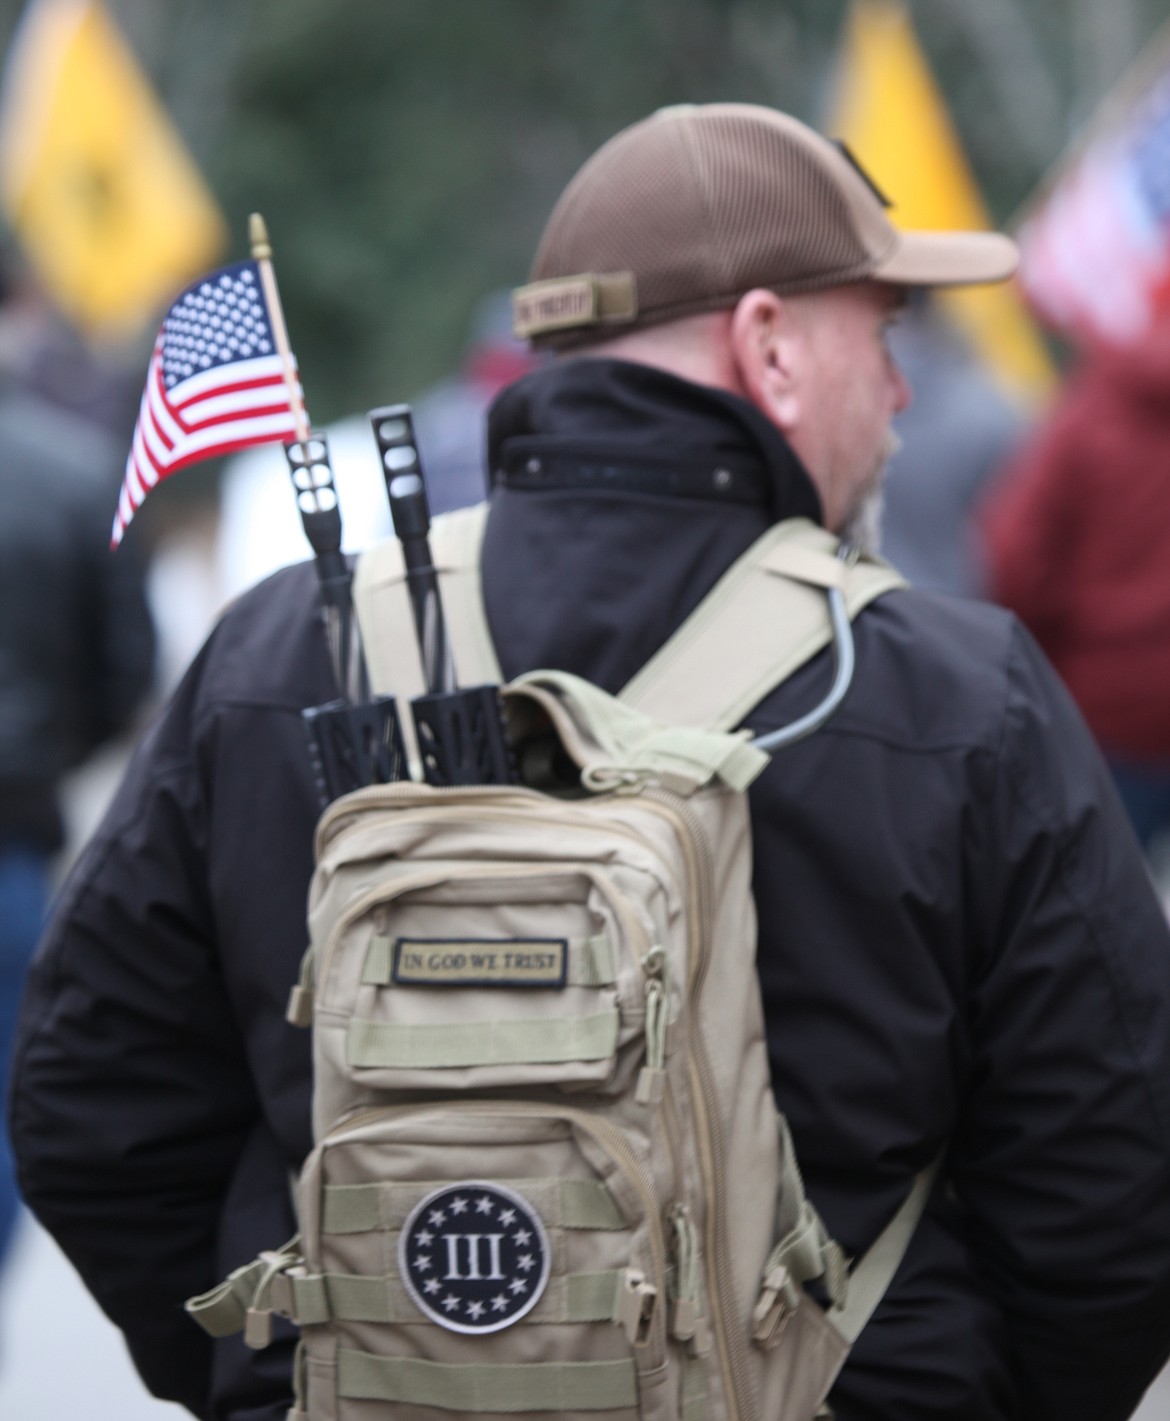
[{"x": 694, "y": 348}]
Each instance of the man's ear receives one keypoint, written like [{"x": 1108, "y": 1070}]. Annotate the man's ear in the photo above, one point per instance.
[{"x": 766, "y": 346}]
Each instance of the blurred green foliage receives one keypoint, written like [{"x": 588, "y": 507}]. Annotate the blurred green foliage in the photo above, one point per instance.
[{"x": 405, "y": 152}]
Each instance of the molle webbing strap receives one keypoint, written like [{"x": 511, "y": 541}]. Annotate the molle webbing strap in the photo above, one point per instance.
[
  {"x": 354, "y": 1297},
  {"x": 807, "y": 1252},
  {"x": 561, "y": 1203},
  {"x": 486, "y": 1043},
  {"x": 765, "y": 617},
  {"x": 222, "y": 1310},
  {"x": 694, "y": 1389},
  {"x": 473, "y": 1389},
  {"x": 387, "y": 622}
]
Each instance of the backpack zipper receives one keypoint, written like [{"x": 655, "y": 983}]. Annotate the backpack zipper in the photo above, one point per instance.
[{"x": 728, "y": 1341}]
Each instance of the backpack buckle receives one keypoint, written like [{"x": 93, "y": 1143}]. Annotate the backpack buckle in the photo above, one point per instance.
[
  {"x": 779, "y": 1298},
  {"x": 634, "y": 1306},
  {"x": 258, "y": 1318}
]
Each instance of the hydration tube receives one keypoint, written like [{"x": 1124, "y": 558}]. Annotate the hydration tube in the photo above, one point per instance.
[{"x": 844, "y": 664}]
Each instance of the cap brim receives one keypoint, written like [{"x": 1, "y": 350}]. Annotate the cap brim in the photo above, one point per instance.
[{"x": 948, "y": 259}]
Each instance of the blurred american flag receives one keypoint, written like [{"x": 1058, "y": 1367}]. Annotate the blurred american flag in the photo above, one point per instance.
[{"x": 1095, "y": 258}]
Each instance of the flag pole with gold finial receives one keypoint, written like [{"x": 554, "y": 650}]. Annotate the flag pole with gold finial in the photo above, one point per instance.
[
  {"x": 315, "y": 491},
  {"x": 356, "y": 740},
  {"x": 262, "y": 256}
]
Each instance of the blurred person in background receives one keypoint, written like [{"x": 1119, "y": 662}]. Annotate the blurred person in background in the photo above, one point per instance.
[
  {"x": 1077, "y": 536},
  {"x": 41, "y": 352},
  {"x": 449, "y": 418},
  {"x": 76, "y": 638},
  {"x": 954, "y": 437}
]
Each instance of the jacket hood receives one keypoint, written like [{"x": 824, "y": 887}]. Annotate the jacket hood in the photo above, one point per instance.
[
  {"x": 620, "y": 495},
  {"x": 591, "y": 404}
]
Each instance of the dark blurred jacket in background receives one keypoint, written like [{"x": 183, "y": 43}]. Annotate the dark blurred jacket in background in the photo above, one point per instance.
[
  {"x": 76, "y": 639},
  {"x": 76, "y": 656}
]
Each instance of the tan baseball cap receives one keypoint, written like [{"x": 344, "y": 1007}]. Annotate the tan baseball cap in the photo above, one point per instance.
[{"x": 694, "y": 206}]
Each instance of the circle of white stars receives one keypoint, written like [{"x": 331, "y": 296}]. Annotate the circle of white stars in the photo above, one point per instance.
[
  {"x": 420, "y": 1248},
  {"x": 218, "y": 322}
]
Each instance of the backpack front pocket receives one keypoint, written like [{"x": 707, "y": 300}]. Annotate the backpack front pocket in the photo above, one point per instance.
[
  {"x": 473, "y": 976},
  {"x": 485, "y": 1258}
]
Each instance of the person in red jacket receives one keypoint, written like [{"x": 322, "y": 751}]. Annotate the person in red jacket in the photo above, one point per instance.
[{"x": 1078, "y": 546}]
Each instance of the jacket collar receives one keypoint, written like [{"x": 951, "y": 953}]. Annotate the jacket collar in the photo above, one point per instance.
[{"x": 616, "y": 409}]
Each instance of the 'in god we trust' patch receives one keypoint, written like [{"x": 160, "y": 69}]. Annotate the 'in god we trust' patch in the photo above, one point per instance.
[
  {"x": 474, "y": 1256},
  {"x": 480, "y": 962}
]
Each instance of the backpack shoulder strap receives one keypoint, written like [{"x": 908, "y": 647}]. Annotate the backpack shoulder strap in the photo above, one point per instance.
[
  {"x": 873, "y": 1273},
  {"x": 387, "y": 622},
  {"x": 765, "y": 617}
]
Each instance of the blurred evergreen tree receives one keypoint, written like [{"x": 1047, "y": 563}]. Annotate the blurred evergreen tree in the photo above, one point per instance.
[{"x": 405, "y": 153}]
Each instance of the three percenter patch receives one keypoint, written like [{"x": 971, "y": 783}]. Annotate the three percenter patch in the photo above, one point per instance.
[{"x": 474, "y": 1256}]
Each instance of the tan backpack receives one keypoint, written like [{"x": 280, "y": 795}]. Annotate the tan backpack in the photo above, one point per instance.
[{"x": 549, "y": 1178}]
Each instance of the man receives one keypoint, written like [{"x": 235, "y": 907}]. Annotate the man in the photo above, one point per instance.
[{"x": 958, "y": 944}]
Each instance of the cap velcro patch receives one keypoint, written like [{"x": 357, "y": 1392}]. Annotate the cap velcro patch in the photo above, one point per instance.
[{"x": 565, "y": 303}]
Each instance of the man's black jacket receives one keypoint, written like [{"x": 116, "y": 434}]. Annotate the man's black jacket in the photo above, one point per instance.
[{"x": 959, "y": 946}]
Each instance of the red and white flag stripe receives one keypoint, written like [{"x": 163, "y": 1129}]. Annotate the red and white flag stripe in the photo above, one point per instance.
[{"x": 209, "y": 413}]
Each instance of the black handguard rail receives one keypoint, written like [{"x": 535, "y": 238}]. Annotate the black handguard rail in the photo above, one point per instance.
[
  {"x": 460, "y": 731},
  {"x": 355, "y": 740}
]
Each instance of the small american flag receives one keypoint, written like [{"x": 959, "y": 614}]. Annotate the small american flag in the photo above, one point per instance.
[{"x": 215, "y": 383}]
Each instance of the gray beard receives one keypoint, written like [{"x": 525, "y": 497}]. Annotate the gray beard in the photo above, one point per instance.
[{"x": 862, "y": 528}]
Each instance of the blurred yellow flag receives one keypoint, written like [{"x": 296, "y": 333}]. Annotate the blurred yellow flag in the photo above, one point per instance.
[
  {"x": 890, "y": 113},
  {"x": 94, "y": 180}
]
